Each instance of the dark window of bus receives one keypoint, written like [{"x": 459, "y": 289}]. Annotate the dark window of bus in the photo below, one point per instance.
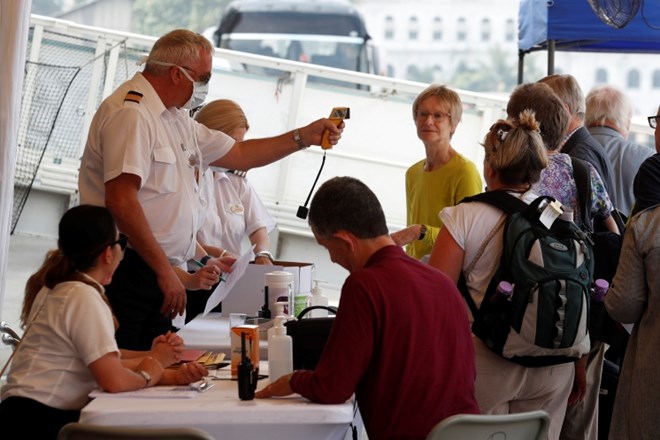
[{"x": 656, "y": 79}]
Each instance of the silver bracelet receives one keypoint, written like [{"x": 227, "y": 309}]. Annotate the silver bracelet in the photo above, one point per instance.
[
  {"x": 298, "y": 139},
  {"x": 265, "y": 254}
]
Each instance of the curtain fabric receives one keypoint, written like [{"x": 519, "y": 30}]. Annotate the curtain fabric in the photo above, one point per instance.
[{"x": 14, "y": 27}]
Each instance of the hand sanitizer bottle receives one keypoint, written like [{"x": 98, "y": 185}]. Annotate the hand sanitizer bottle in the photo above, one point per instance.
[
  {"x": 318, "y": 299},
  {"x": 279, "y": 313},
  {"x": 280, "y": 351}
]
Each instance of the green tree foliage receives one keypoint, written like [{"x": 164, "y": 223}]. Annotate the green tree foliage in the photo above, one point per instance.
[
  {"x": 157, "y": 17},
  {"x": 499, "y": 74}
]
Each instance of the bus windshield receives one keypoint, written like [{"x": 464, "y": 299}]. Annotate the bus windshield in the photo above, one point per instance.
[{"x": 330, "y": 51}]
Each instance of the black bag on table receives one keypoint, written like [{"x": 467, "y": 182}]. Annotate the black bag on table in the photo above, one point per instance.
[{"x": 309, "y": 336}]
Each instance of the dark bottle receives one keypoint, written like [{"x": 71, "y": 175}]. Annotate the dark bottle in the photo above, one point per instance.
[
  {"x": 246, "y": 377},
  {"x": 503, "y": 292}
]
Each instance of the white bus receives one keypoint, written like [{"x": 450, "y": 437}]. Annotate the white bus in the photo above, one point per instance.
[{"x": 330, "y": 33}]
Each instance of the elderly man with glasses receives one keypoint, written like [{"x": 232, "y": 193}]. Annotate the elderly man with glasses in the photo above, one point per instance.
[{"x": 140, "y": 160}]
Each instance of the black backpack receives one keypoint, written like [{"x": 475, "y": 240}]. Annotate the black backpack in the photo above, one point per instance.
[{"x": 545, "y": 320}]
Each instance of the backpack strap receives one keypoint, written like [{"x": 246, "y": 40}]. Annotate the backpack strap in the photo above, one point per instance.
[
  {"x": 505, "y": 202},
  {"x": 583, "y": 184},
  {"x": 500, "y": 199}
]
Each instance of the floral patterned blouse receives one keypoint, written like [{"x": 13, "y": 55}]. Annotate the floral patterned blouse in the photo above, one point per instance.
[{"x": 557, "y": 181}]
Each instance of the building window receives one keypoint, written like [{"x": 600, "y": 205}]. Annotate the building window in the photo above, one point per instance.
[
  {"x": 389, "y": 27},
  {"x": 461, "y": 30},
  {"x": 437, "y": 29},
  {"x": 510, "y": 30},
  {"x": 633, "y": 79},
  {"x": 601, "y": 76},
  {"x": 413, "y": 28},
  {"x": 412, "y": 73},
  {"x": 485, "y": 29},
  {"x": 656, "y": 79}
]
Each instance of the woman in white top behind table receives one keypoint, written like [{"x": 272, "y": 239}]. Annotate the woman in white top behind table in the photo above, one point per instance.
[
  {"x": 235, "y": 210},
  {"x": 68, "y": 347}
]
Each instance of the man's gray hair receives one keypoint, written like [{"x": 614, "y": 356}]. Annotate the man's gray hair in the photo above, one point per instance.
[
  {"x": 607, "y": 104},
  {"x": 180, "y": 47}
]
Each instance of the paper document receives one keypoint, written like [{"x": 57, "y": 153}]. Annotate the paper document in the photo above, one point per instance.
[
  {"x": 222, "y": 289},
  {"x": 157, "y": 392}
]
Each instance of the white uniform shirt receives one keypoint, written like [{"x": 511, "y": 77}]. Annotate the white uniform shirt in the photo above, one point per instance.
[
  {"x": 71, "y": 328},
  {"x": 234, "y": 212},
  {"x": 133, "y": 132}
]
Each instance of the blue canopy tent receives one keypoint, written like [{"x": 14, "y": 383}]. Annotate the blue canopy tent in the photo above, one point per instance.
[{"x": 572, "y": 25}]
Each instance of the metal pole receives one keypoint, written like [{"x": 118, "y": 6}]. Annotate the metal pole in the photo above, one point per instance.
[{"x": 551, "y": 57}]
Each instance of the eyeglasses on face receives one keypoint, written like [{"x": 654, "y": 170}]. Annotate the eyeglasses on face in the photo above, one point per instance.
[
  {"x": 204, "y": 79},
  {"x": 437, "y": 116},
  {"x": 122, "y": 241},
  {"x": 653, "y": 121}
]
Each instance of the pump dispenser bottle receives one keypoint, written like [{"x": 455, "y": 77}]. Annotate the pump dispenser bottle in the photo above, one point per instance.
[
  {"x": 318, "y": 299},
  {"x": 279, "y": 313},
  {"x": 280, "y": 351}
]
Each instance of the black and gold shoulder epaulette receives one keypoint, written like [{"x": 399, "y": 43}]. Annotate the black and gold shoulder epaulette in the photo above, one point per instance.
[{"x": 133, "y": 96}]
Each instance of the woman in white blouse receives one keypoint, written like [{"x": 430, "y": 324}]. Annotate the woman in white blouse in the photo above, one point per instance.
[
  {"x": 234, "y": 211},
  {"x": 68, "y": 347}
]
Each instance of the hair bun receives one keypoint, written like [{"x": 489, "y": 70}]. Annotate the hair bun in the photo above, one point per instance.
[{"x": 527, "y": 120}]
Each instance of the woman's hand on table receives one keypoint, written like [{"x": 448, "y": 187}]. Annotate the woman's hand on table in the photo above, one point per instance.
[
  {"x": 281, "y": 387},
  {"x": 190, "y": 372},
  {"x": 167, "y": 349}
]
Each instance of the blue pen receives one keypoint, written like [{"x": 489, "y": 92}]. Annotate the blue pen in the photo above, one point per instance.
[{"x": 199, "y": 263}]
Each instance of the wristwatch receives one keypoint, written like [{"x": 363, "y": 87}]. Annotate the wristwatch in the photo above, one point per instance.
[
  {"x": 265, "y": 254},
  {"x": 422, "y": 232},
  {"x": 298, "y": 139},
  {"x": 147, "y": 377}
]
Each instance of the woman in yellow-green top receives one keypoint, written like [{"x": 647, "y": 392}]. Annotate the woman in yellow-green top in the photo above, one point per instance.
[{"x": 443, "y": 178}]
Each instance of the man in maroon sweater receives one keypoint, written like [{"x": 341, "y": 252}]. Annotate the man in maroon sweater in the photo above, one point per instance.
[{"x": 401, "y": 339}]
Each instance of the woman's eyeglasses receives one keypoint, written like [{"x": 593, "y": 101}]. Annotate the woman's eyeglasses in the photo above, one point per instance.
[
  {"x": 122, "y": 241},
  {"x": 653, "y": 121}
]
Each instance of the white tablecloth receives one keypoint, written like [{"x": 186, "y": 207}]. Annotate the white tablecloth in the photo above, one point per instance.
[{"x": 222, "y": 414}]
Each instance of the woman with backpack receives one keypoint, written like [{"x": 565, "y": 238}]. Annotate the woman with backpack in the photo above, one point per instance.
[{"x": 471, "y": 244}]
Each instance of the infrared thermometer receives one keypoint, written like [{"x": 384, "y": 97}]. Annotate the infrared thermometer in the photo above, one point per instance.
[{"x": 337, "y": 115}]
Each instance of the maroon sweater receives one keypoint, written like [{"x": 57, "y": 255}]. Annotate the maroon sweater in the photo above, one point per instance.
[{"x": 401, "y": 342}]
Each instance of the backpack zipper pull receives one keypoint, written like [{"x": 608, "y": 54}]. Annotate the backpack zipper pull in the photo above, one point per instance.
[{"x": 585, "y": 250}]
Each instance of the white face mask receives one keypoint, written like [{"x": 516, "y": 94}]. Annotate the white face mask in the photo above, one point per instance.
[{"x": 200, "y": 90}]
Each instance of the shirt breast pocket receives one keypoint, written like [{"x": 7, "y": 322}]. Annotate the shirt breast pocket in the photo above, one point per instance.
[{"x": 165, "y": 172}]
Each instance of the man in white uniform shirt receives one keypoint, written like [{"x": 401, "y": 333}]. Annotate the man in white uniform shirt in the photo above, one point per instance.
[{"x": 139, "y": 161}]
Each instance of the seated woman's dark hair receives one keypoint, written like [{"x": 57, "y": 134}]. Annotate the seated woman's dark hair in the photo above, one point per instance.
[{"x": 84, "y": 232}]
